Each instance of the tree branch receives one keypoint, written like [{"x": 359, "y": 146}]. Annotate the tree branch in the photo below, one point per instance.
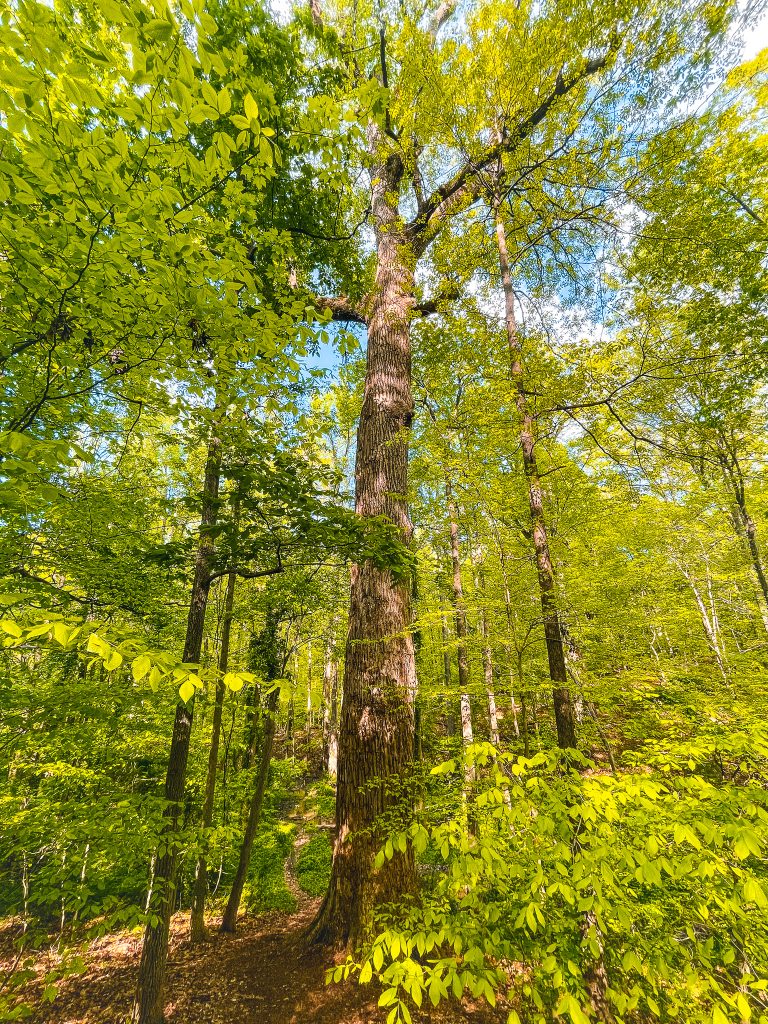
[
  {"x": 434, "y": 305},
  {"x": 342, "y": 309},
  {"x": 465, "y": 184},
  {"x": 439, "y": 18},
  {"x": 247, "y": 574}
]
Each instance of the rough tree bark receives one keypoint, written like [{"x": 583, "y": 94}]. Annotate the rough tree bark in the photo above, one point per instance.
[
  {"x": 377, "y": 712},
  {"x": 148, "y": 1004},
  {"x": 197, "y": 930},
  {"x": 565, "y": 719}
]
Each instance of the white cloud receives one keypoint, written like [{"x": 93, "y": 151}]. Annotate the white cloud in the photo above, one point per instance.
[{"x": 756, "y": 37}]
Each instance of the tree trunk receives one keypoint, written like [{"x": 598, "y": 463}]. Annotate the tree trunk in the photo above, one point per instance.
[
  {"x": 708, "y": 622},
  {"x": 229, "y": 920},
  {"x": 197, "y": 931},
  {"x": 330, "y": 686},
  {"x": 460, "y": 612},
  {"x": 493, "y": 718},
  {"x": 487, "y": 654},
  {"x": 148, "y": 1004},
  {"x": 518, "y": 651},
  {"x": 267, "y": 661},
  {"x": 310, "y": 721},
  {"x": 377, "y": 718},
  {"x": 564, "y": 715},
  {"x": 459, "y": 608},
  {"x": 333, "y": 724},
  {"x": 450, "y": 717},
  {"x": 735, "y": 480}
]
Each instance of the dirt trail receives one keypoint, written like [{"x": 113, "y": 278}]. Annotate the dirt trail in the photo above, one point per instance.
[{"x": 262, "y": 975}]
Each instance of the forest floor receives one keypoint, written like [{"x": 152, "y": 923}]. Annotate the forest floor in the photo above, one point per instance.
[{"x": 262, "y": 975}]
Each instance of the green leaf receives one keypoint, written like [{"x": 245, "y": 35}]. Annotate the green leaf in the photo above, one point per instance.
[
  {"x": 233, "y": 681},
  {"x": 387, "y": 997},
  {"x": 251, "y": 108},
  {"x": 113, "y": 660},
  {"x": 754, "y": 893},
  {"x": 141, "y": 666}
]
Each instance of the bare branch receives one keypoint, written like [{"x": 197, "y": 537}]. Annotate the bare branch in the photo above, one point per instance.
[
  {"x": 439, "y": 18},
  {"x": 466, "y": 184}
]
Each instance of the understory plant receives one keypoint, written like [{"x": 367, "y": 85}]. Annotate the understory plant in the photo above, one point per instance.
[{"x": 572, "y": 893}]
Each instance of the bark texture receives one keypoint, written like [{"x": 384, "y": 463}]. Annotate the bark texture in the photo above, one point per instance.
[{"x": 377, "y": 713}]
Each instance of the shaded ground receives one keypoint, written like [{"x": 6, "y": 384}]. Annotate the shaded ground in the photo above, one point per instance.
[{"x": 262, "y": 975}]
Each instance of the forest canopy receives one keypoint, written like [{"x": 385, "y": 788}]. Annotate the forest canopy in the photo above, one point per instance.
[{"x": 383, "y": 512}]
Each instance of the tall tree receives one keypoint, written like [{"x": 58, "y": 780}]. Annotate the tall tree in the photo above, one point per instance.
[{"x": 542, "y": 114}]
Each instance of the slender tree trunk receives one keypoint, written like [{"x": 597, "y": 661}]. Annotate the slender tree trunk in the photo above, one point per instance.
[
  {"x": 377, "y": 717},
  {"x": 197, "y": 920},
  {"x": 519, "y": 653},
  {"x": 459, "y": 608},
  {"x": 418, "y": 726},
  {"x": 309, "y": 689},
  {"x": 524, "y": 716},
  {"x": 564, "y": 714},
  {"x": 266, "y": 659},
  {"x": 460, "y": 612},
  {"x": 467, "y": 734},
  {"x": 487, "y": 655},
  {"x": 709, "y": 624},
  {"x": 735, "y": 480},
  {"x": 330, "y": 683},
  {"x": 229, "y": 920},
  {"x": 450, "y": 717},
  {"x": 148, "y": 1005},
  {"x": 333, "y": 723},
  {"x": 493, "y": 718},
  {"x": 325, "y": 707}
]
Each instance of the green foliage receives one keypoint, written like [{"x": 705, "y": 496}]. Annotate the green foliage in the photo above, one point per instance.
[
  {"x": 313, "y": 864},
  {"x": 655, "y": 876},
  {"x": 181, "y": 189},
  {"x": 267, "y": 888}
]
